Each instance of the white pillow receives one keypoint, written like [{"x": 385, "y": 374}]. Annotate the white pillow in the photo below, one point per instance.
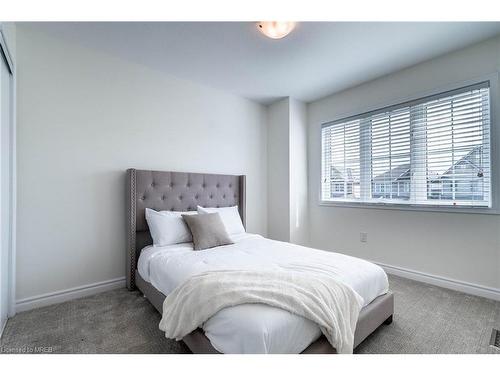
[
  {"x": 168, "y": 227},
  {"x": 229, "y": 215}
]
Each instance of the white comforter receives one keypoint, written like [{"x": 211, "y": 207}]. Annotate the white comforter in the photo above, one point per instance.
[
  {"x": 258, "y": 328},
  {"x": 321, "y": 298}
]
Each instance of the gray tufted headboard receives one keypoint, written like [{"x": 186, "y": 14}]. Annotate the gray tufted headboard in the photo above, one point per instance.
[{"x": 173, "y": 191}]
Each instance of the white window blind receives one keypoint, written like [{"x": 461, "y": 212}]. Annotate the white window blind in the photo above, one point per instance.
[{"x": 431, "y": 151}]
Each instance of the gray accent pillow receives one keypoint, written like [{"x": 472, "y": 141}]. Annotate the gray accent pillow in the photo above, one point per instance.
[{"x": 208, "y": 231}]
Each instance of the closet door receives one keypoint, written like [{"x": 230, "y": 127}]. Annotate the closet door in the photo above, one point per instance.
[{"x": 5, "y": 186}]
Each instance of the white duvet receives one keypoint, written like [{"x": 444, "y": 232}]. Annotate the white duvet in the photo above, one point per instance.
[{"x": 257, "y": 328}]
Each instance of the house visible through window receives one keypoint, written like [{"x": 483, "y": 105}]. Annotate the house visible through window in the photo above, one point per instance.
[{"x": 431, "y": 151}]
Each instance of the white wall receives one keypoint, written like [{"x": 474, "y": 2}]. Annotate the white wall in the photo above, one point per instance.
[
  {"x": 464, "y": 247},
  {"x": 278, "y": 175},
  {"x": 287, "y": 171},
  {"x": 85, "y": 117},
  {"x": 299, "y": 220}
]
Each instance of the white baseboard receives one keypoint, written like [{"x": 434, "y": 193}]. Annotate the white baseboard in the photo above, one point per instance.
[
  {"x": 68, "y": 294},
  {"x": 90, "y": 289},
  {"x": 461, "y": 286}
]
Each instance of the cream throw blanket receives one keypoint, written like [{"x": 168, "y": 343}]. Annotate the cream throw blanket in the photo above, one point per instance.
[{"x": 318, "y": 297}]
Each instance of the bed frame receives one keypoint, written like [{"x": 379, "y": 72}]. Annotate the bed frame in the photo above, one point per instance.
[{"x": 181, "y": 191}]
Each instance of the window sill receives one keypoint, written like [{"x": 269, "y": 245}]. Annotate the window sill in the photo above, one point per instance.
[{"x": 409, "y": 207}]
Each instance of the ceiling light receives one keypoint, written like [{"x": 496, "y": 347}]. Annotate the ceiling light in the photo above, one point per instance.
[{"x": 276, "y": 30}]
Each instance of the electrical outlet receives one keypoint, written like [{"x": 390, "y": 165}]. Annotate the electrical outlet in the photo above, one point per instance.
[{"x": 363, "y": 237}]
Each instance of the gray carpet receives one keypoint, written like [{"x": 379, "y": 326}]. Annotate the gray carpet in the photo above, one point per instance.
[{"x": 427, "y": 319}]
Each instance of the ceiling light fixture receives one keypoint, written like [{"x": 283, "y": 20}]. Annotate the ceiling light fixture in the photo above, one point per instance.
[{"x": 276, "y": 30}]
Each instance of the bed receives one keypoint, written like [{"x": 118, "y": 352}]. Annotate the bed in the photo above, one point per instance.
[{"x": 156, "y": 271}]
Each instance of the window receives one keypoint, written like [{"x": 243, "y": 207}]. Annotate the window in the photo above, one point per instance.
[{"x": 433, "y": 151}]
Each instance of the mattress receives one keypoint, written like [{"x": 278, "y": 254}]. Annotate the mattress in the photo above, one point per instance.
[{"x": 257, "y": 328}]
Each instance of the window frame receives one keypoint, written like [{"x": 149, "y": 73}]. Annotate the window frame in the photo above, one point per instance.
[{"x": 493, "y": 81}]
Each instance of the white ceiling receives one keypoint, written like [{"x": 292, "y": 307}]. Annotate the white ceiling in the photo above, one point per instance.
[{"x": 315, "y": 60}]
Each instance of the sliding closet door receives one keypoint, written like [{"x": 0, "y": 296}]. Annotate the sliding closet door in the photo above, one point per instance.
[{"x": 5, "y": 186}]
